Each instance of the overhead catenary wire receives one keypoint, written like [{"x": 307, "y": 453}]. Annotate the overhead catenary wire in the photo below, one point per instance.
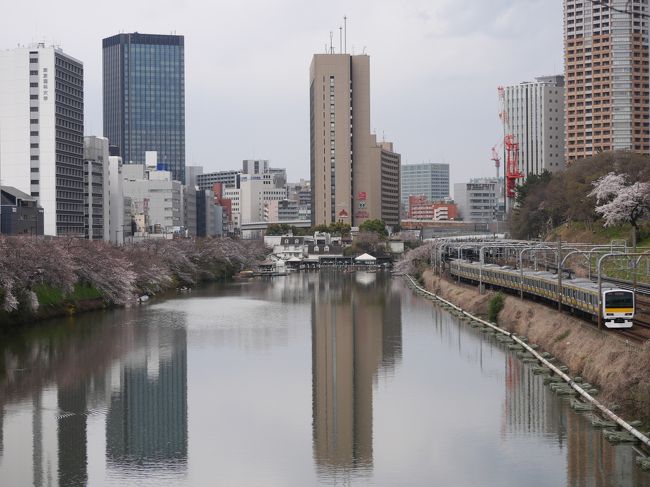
[{"x": 627, "y": 10}]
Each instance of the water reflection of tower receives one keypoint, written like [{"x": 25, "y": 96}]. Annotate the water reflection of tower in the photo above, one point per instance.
[
  {"x": 529, "y": 407},
  {"x": 72, "y": 435},
  {"x": 356, "y": 328},
  {"x": 147, "y": 419},
  {"x": 2, "y": 436}
]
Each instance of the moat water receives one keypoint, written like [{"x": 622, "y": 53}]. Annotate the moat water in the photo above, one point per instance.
[{"x": 308, "y": 379}]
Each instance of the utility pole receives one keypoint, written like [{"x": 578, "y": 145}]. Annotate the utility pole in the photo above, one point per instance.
[
  {"x": 559, "y": 274},
  {"x": 634, "y": 262}
]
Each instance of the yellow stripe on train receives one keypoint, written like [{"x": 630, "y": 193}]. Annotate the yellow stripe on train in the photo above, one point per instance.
[{"x": 619, "y": 310}]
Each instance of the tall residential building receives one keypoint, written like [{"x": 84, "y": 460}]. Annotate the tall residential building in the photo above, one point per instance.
[
  {"x": 535, "y": 116},
  {"x": 144, "y": 98},
  {"x": 427, "y": 179},
  {"x": 606, "y": 74},
  {"x": 339, "y": 88},
  {"x": 41, "y": 133}
]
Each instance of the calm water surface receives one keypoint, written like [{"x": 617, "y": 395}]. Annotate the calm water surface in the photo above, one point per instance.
[{"x": 330, "y": 379}]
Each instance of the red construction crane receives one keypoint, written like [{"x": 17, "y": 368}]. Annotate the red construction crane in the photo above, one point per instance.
[
  {"x": 512, "y": 171},
  {"x": 512, "y": 165}
]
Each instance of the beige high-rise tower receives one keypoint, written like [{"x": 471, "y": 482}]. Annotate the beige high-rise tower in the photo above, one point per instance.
[
  {"x": 606, "y": 74},
  {"x": 346, "y": 166}
]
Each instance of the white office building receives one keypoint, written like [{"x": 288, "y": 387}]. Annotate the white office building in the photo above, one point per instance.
[
  {"x": 103, "y": 192},
  {"x": 157, "y": 194},
  {"x": 118, "y": 228},
  {"x": 535, "y": 116},
  {"x": 480, "y": 200},
  {"x": 41, "y": 133},
  {"x": 255, "y": 191}
]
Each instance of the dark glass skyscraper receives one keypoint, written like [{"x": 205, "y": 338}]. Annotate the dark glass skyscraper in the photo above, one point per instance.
[{"x": 144, "y": 98}]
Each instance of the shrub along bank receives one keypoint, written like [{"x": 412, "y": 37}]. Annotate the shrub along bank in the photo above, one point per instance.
[{"x": 41, "y": 278}]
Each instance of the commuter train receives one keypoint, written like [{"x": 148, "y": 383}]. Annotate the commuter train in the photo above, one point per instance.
[{"x": 581, "y": 295}]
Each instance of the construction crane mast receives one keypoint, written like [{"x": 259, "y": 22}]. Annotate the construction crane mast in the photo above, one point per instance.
[
  {"x": 511, "y": 146},
  {"x": 496, "y": 159}
]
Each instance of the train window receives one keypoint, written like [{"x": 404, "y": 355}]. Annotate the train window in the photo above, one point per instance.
[{"x": 619, "y": 299}]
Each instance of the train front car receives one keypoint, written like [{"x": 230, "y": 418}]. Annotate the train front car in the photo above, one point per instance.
[{"x": 618, "y": 308}]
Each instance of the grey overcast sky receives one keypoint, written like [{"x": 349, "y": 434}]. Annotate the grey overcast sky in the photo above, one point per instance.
[{"x": 435, "y": 67}]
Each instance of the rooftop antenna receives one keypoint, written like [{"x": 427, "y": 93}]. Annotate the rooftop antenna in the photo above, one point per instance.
[
  {"x": 345, "y": 34},
  {"x": 340, "y": 40},
  {"x": 331, "y": 42}
]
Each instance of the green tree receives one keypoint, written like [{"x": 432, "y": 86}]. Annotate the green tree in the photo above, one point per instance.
[
  {"x": 377, "y": 226},
  {"x": 339, "y": 228},
  {"x": 278, "y": 229}
]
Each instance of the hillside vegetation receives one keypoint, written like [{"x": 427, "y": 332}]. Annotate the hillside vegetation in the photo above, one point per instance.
[{"x": 564, "y": 204}]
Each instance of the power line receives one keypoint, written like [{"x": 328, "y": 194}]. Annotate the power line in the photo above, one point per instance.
[{"x": 627, "y": 10}]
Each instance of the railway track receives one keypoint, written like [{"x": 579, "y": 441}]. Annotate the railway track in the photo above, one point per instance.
[{"x": 641, "y": 329}]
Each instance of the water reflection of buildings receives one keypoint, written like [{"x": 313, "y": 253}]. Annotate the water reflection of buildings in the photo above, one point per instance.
[
  {"x": 77, "y": 367},
  {"x": 146, "y": 425},
  {"x": 530, "y": 409},
  {"x": 593, "y": 461},
  {"x": 356, "y": 332}
]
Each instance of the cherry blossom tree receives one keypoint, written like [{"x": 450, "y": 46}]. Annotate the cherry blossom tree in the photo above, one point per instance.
[
  {"x": 621, "y": 202},
  {"x": 414, "y": 259},
  {"x": 29, "y": 264}
]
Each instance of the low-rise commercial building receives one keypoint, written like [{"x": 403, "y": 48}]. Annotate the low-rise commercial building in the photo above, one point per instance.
[
  {"x": 20, "y": 213},
  {"x": 419, "y": 208}
]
